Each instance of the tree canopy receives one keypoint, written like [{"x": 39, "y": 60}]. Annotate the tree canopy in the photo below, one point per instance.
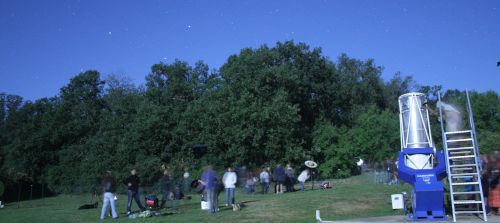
[{"x": 281, "y": 104}]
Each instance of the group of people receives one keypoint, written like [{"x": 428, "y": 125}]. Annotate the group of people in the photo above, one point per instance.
[
  {"x": 132, "y": 182},
  {"x": 284, "y": 178},
  {"x": 109, "y": 196}
]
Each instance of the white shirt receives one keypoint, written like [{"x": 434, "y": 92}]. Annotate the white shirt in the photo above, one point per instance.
[
  {"x": 229, "y": 179},
  {"x": 264, "y": 177},
  {"x": 303, "y": 176}
]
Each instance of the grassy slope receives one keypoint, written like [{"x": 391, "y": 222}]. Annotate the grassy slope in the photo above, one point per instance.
[{"x": 350, "y": 198}]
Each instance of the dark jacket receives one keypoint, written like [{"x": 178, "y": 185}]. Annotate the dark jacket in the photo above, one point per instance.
[
  {"x": 166, "y": 183},
  {"x": 108, "y": 185},
  {"x": 134, "y": 179},
  {"x": 279, "y": 174}
]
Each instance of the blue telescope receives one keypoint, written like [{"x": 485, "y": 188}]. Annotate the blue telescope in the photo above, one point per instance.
[{"x": 416, "y": 160}]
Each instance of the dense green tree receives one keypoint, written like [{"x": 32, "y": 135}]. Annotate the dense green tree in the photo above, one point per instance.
[{"x": 268, "y": 105}]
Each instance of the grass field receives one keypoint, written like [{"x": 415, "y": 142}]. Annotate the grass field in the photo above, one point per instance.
[{"x": 350, "y": 198}]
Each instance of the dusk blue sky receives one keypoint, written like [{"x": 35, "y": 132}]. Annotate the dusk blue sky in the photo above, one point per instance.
[{"x": 44, "y": 43}]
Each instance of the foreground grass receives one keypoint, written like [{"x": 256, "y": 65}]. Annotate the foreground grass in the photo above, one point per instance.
[{"x": 351, "y": 198}]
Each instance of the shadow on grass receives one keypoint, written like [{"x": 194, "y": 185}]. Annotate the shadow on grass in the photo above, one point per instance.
[{"x": 250, "y": 201}]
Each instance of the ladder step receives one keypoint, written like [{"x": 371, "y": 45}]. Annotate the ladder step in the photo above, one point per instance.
[
  {"x": 464, "y": 174},
  {"x": 468, "y": 212},
  {"x": 466, "y": 192},
  {"x": 462, "y": 157},
  {"x": 463, "y": 165},
  {"x": 463, "y": 168},
  {"x": 461, "y": 152},
  {"x": 467, "y": 202},
  {"x": 457, "y": 132},
  {"x": 460, "y": 148},
  {"x": 462, "y": 177},
  {"x": 459, "y": 140},
  {"x": 465, "y": 183}
]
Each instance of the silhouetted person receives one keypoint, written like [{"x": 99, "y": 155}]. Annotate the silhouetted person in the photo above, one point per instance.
[
  {"x": 166, "y": 187},
  {"x": 133, "y": 182},
  {"x": 109, "y": 189},
  {"x": 209, "y": 180},
  {"x": 279, "y": 177}
]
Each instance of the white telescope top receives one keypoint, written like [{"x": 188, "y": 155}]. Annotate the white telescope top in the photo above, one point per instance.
[
  {"x": 411, "y": 94},
  {"x": 415, "y": 129},
  {"x": 414, "y": 121}
]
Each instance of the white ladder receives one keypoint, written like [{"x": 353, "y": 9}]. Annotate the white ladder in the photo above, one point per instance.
[{"x": 464, "y": 169}]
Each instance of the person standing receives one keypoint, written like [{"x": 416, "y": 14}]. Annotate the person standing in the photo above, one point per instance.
[
  {"x": 187, "y": 182},
  {"x": 303, "y": 176},
  {"x": 289, "y": 178},
  {"x": 133, "y": 182},
  {"x": 279, "y": 177},
  {"x": 389, "y": 170},
  {"x": 109, "y": 189},
  {"x": 229, "y": 179},
  {"x": 208, "y": 179},
  {"x": 250, "y": 184},
  {"x": 166, "y": 187},
  {"x": 264, "y": 180}
]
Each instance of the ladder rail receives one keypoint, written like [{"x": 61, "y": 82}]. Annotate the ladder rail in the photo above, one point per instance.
[
  {"x": 445, "y": 147},
  {"x": 480, "y": 185},
  {"x": 473, "y": 129}
]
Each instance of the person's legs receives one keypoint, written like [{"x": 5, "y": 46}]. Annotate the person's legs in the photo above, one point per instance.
[
  {"x": 164, "y": 198},
  {"x": 129, "y": 201},
  {"x": 301, "y": 186},
  {"x": 227, "y": 196},
  {"x": 137, "y": 198},
  {"x": 210, "y": 197},
  {"x": 216, "y": 201},
  {"x": 266, "y": 188},
  {"x": 105, "y": 204},
  {"x": 113, "y": 205},
  {"x": 286, "y": 184},
  {"x": 231, "y": 195},
  {"x": 486, "y": 205}
]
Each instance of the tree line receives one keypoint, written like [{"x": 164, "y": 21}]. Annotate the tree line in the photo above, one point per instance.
[{"x": 283, "y": 104}]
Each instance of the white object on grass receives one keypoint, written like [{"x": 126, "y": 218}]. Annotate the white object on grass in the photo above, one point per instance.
[
  {"x": 318, "y": 218},
  {"x": 204, "y": 205},
  {"x": 397, "y": 201}
]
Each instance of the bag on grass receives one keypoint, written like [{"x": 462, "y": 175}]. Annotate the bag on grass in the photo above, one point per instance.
[{"x": 151, "y": 201}]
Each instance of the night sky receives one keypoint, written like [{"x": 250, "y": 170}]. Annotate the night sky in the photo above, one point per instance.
[{"x": 44, "y": 43}]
